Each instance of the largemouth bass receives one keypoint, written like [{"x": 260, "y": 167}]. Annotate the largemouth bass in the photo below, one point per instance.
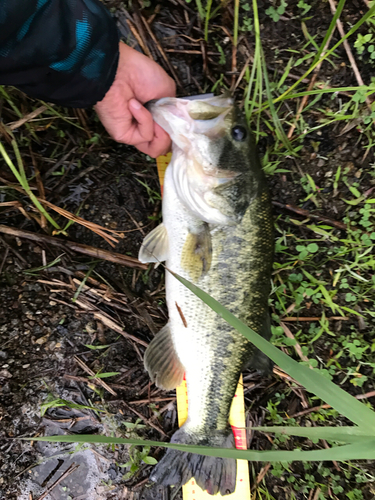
[{"x": 217, "y": 232}]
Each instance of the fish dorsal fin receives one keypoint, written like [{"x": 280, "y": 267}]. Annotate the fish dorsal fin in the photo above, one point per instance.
[
  {"x": 197, "y": 253},
  {"x": 161, "y": 361},
  {"x": 155, "y": 246}
]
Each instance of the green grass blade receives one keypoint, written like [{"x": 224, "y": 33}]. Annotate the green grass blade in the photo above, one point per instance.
[
  {"x": 83, "y": 282},
  {"x": 357, "y": 451},
  {"x": 275, "y": 118},
  {"x": 235, "y": 26},
  {"x": 207, "y": 20},
  {"x": 370, "y": 13},
  {"x": 313, "y": 381},
  {"x": 332, "y": 25},
  {"x": 23, "y": 181},
  {"x": 200, "y": 9},
  {"x": 342, "y": 434}
]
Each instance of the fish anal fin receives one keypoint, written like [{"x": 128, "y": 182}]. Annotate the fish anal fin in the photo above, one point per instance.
[
  {"x": 161, "y": 361},
  {"x": 155, "y": 246},
  {"x": 196, "y": 256}
]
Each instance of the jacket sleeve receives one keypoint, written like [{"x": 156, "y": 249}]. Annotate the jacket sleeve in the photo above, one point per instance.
[{"x": 62, "y": 51}]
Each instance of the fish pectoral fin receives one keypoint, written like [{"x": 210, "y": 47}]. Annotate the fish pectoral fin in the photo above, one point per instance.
[
  {"x": 155, "y": 246},
  {"x": 162, "y": 362},
  {"x": 196, "y": 254}
]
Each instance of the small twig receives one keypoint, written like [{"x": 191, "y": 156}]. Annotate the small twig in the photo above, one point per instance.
[
  {"x": 311, "y": 85},
  {"x": 142, "y": 417},
  {"x": 27, "y": 118},
  {"x": 135, "y": 222},
  {"x": 262, "y": 473},
  {"x": 296, "y": 346},
  {"x": 315, "y": 318},
  {"x": 4, "y": 259},
  {"x": 370, "y": 394},
  {"x": 141, "y": 483},
  {"x": 40, "y": 185},
  {"x": 188, "y": 51},
  {"x": 94, "y": 380},
  {"x": 151, "y": 400},
  {"x": 317, "y": 493},
  {"x": 59, "y": 163},
  {"x": 349, "y": 52},
  {"x": 181, "y": 315},
  {"x": 277, "y": 371},
  {"x": 248, "y": 61},
  {"x": 336, "y": 465},
  {"x": 139, "y": 39},
  {"x": 96, "y": 228},
  {"x": 99, "y": 315},
  {"x": 14, "y": 251},
  {"x": 97, "y": 253},
  {"x": 306, "y": 213},
  {"x": 98, "y": 380},
  {"x": 161, "y": 50},
  {"x": 67, "y": 473}
]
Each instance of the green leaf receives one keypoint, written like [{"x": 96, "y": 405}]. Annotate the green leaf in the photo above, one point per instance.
[
  {"x": 312, "y": 247},
  {"x": 130, "y": 425},
  {"x": 150, "y": 460},
  {"x": 63, "y": 402},
  {"x": 104, "y": 375},
  {"x": 356, "y": 451},
  {"x": 97, "y": 347},
  {"x": 343, "y": 434}
]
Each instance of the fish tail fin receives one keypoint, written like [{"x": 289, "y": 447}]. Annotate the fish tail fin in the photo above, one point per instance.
[{"x": 212, "y": 474}]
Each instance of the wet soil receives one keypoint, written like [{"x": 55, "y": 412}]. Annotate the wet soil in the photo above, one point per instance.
[{"x": 48, "y": 324}]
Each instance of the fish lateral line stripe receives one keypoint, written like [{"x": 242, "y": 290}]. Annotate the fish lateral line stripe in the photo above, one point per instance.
[{"x": 191, "y": 491}]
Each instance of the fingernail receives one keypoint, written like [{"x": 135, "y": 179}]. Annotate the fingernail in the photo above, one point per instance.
[{"x": 135, "y": 104}]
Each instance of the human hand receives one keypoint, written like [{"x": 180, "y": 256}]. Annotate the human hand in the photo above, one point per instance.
[{"x": 138, "y": 80}]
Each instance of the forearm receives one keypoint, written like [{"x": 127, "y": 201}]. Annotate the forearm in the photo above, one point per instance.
[{"x": 61, "y": 51}]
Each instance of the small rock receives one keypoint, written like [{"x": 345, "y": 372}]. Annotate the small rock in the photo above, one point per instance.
[
  {"x": 5, "y": 373},
  {"x": 42, "y": 340},
  {"x": 90, "y": 328}
]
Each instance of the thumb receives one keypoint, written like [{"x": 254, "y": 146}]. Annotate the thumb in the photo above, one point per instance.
[{"x": 144, "y": 128}]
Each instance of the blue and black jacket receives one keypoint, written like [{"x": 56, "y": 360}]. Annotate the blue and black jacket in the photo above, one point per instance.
[{"x": 62, "y": 51}]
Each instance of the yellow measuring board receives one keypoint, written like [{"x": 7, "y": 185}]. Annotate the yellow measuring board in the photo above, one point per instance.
[
  {"x": 191, "y": 491},
  {"x": 237, "y": 420}
]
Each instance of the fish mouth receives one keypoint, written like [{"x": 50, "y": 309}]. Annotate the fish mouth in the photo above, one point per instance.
[
  {"x": 192, "y": 115},
  {"x": 199, "y": 107}
]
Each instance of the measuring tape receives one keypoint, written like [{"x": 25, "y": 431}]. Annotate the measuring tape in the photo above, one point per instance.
[{"x": 191, "y": 491}]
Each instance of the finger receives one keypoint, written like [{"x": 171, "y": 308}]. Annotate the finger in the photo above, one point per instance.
[
  {"x": 153, "y": 150},
  {"x": 160, "y": 145},
  {"x": 143, "y": 129}
]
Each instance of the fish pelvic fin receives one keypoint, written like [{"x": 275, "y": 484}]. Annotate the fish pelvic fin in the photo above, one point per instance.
[
  {"x": 161, "y": 361},
  {"x": 196, "y": 254},
  {"x": 155, "y": 246},
  {"x": 212, "y": 474}
]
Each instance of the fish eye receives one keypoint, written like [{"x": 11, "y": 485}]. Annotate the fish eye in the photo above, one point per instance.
[{"x": 239, "y": 133}]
